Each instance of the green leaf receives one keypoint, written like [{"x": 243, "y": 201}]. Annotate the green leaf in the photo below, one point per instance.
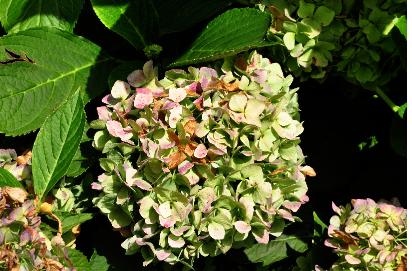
[
  {"x": 134, "y": 20},
  {"x": 306, "y": 9},
  {"x": 123, "y": 70},
  {"x": 18, "y": 15},
  {"x": 401, "y": 25},
  {"x": 179, "y": 15},
  {"x": 56, "y": 144},
  {"x": 79, "y": 260},
  {"x": 232, "y": 32},
  {"x": 62, "y": 63},
  {"x": 98, "y": 263},
  {"x": 7, "y": 179},
  {"x": 272, "y": 252},
  {"x": 78, "y": 165},
  {"x": 275, "y": 250},
  {"x": 401, "y": 110},
  {"x": 297, "y": 244},
  {"x": 324, "y": 15},
  {"x": 70, "y": 221}
]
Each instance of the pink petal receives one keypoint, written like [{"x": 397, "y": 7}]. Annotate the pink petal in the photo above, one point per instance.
[
  {"x": 104, "y": 113},
  {"x": 335, "y": 208},
  {"x": 200, "y": 151},
  {"x": 143, "y": 98},
  {"x": 286, "y": 215},
  {"x": 184, "y": 167},
  {"x": 177, "y": 94},
  {"x": 116, "y": 129},
  {"x": 242, "y": 227},
  {"x": 120, "y": 90},
  {"x": 352, "y": 260},
  {"x": 167, "y": 222},
  {"x": 136, "y": 78},
  {"x": 264, "y": 239},
  {"x": 293, "y": 206},
  {"x": 96, "y": 186},
  {"x": 179, "y": 231},
  {"x": 143, "y": 185},
  {"x": 162, "y": 255},
  {"x": 175, "y": 242}
]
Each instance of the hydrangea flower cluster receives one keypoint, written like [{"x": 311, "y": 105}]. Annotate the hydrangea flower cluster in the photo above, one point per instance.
[
  {"x": 23, "y": 247},
  {"x": 23, "y": 244},
  {"x": 369, "y": 236},
  {"x": 200, "y": 161}
]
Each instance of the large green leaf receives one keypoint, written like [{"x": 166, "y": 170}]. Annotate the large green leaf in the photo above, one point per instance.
[
  {"x": 232, "y": 32},
  {"x": 70, "y": 221},
  {"x": 18, "y": 15},
  {"x": 7, "y": 179},
  {"x": 179, "y": 15},
  {"x": 62, "y": 63},
  {"x": 134, "y": 20},
  {"x": 275, "y": 250},
  {"x": 78, "y": 260},
  {"x": 98, "y": 263},
  {"x": 56, "y": 144}
]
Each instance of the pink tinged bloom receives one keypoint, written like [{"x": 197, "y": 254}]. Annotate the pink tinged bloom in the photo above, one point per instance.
[
  {"x": 175, "y": 241},
  {"x": 177, "y": 94},
  {"x": 206, "y": 74},
  {"x": 162, "y": 255},
  {"x": 200, "y": 151},
  {"x": 336, "y": 209},
  {"x": 216, "y": 231},
  {"x": 286, "y": 215},
  {"x": 262, "y": 238},
  {"x": 120, "y": 90},
  {"x": 175, "y": 116},
  {"x": 259, "y": 76},
  {"x": 330, "y": 243},
  {"x": 352, "y": 260},
  {"x": 199, "y": 103},
  {"x": 109, "y": 99},
  {"x": 184, "y": 167},
  {"x": 169, "y": 105},
  {"x": 179, "y": 231},
  {"x": 104, "y": 113},
  {"x": 136, "y": 78},
  {"x": 167, "y": 222},
  {"x": 242, "y": 227},
  {"x": 96, "y": 186},
  {"x": 293, "y": 206},
  {"x": 142, "y": 184},
  {"x": 116, "y": 129},
  {"x": 143, "y": 98}
]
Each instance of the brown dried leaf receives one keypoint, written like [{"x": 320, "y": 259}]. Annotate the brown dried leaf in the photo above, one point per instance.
[
  {"x": 175, "y": 159},
  {"x": 308, "y": 171},
  {"x": 347, "y": 238},
  {"x": 24, "y": 159},
  {"x": 16, "y": 194},
  {"x": 190, "y": 127},
  {"x": 402, "y": 266},
  {"x": 52, "y": 265},
  {"x": 220, "y": 85}
]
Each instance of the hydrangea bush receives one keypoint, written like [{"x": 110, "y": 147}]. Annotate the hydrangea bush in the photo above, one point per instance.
[
  {"x": 200, "y": 161},
  {"x": 368, "y": 236}
]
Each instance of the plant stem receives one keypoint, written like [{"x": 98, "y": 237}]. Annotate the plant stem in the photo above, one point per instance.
[{"x": 386, "y": 99}]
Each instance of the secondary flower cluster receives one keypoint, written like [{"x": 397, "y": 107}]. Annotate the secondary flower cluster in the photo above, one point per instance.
[
  {"x": 200, "y": 161},
  {"x": 23, "y": 246},
  {"x": 371, "y": 236}
]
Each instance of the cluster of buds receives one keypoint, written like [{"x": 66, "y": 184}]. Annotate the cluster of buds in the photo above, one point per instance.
[
  {"x": 369, "y": 236},
  {"x": 200, "y": 161}
]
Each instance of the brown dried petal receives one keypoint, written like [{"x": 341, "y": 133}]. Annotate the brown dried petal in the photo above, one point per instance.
[
  {"x": 175, "y": 159},
  {"x": 16, "y": 194},
  {"x": 190, "y": 127}
]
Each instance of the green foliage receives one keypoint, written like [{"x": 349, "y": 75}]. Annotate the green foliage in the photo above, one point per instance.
[
  {"x": 275, "y": 250},
  {"x": 34, "y": 88},
  {"x": 56, "y": 144},
  {"x": 134, "y": 20},
  {"x": 19, "y": 15},
  {"x": 7, "y": 179},
  {"x": 232, "y": 32}
]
